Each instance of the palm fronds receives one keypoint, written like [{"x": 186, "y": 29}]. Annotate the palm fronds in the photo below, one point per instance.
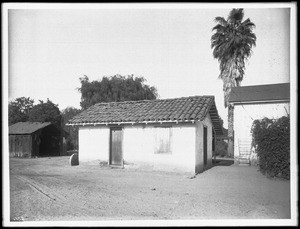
[{"x": 232, "y": 44}]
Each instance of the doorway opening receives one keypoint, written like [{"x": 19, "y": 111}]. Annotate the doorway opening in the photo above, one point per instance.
[{"x": 116, "y": 149}]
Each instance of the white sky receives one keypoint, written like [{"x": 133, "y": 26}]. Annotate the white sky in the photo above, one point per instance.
[{"x": 49, "y": 49}]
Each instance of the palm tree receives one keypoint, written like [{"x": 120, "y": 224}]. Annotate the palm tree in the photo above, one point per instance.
[{"x": 232, "y": 42}]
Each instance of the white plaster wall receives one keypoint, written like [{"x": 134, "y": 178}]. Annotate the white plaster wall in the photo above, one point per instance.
[
  {"x": 138, "y": 145},
  {"x": 246, "y": 114},
  {"x": 208, "y": 123},
  {"x": 93, "y": 143},
  {"x": 199, "y": 157},
  {"x": 199, "y": 165}
]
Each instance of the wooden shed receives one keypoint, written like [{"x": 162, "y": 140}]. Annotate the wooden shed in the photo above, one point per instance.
[
  {"x": 35, "y": 139},
  {"x": 171, "y": 134}
]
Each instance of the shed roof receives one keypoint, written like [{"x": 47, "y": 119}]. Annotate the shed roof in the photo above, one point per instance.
[
  {"x": 185, "y": 109},
  {"x": 27, "y": 127},
  {"x": 260, "y": 93}
]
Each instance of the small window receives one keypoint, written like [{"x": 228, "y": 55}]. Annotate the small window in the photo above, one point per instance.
[{"x": 163, "y": 140}]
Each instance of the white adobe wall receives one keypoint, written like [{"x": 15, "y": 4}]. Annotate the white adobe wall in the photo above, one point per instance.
[
  {"x": 243, "y": 116},
  {"x": 139, "y": 147},
  {"x": 199, "y": 157},
  {"x": 93, "y": 143}
]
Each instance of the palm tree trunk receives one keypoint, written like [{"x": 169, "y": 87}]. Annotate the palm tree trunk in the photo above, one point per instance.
[{"x": 230, "y": 149}]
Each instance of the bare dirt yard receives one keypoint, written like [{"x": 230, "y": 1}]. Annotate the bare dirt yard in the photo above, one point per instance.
[{"x": 50, "y": 189}]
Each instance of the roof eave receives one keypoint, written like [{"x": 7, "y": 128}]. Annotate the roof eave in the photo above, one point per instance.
[
  {"x": 212, "y": 106},
  {"x": 132, "y": 122},
  {"x": 260, "y": 101}
]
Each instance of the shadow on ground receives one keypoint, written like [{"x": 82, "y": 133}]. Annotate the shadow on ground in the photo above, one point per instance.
[{"x": 223, "y": 162}]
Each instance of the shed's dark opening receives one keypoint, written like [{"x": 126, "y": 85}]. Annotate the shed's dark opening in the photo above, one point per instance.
[{"x": 49, "y": 144}]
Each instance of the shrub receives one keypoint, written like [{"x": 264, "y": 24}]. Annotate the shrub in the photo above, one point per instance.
[
  {"x": 271, "y": 139},
  {"x": 221, "y": 148}
]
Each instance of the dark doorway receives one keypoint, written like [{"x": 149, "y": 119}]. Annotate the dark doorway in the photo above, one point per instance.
[
  {"x": 116, "y": 153},
  {"x": 49, "y": 142},
  {"x": 205, "y": 145}
]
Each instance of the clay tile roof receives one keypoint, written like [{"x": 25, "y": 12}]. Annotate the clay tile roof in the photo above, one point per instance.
[{"x": 177, "y": 109}]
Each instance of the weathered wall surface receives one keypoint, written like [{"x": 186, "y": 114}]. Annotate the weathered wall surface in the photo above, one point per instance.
[
  {"x": 20, "y": 146},
  {"x": 93, "y": 143},
  {"x": 139, "y": 147},
  {"x": 246, "y": 114}
]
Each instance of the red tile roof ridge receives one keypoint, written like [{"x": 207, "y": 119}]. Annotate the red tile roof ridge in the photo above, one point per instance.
[{"x": 151, "y": 100}]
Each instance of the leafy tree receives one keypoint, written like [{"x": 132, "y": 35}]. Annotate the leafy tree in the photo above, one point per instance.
[
  {"x": 221, "y": 148},
  {"x": 72, "y": 138},
  {"x": 115, "y": 89},
  {"x": 232, "y": 44},
  {"x": 69, "y": 113},
  {"x": 19, "y": 109},
  {"x": 45, "y": 112},
  {"x": 222, "y": 124},
  {"x": 221, "y": 144}
]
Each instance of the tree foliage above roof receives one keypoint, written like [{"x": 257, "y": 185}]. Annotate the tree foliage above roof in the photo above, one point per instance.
[
  {"x": 23, "y": 109},
  {"x": 19, "y": 109},
  {"x": 45, "y": 112},
  {"x": 116, "y": 88}
]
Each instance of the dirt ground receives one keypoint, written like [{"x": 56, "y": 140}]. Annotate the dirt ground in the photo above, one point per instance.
[{"x": 50, "y": 189}]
